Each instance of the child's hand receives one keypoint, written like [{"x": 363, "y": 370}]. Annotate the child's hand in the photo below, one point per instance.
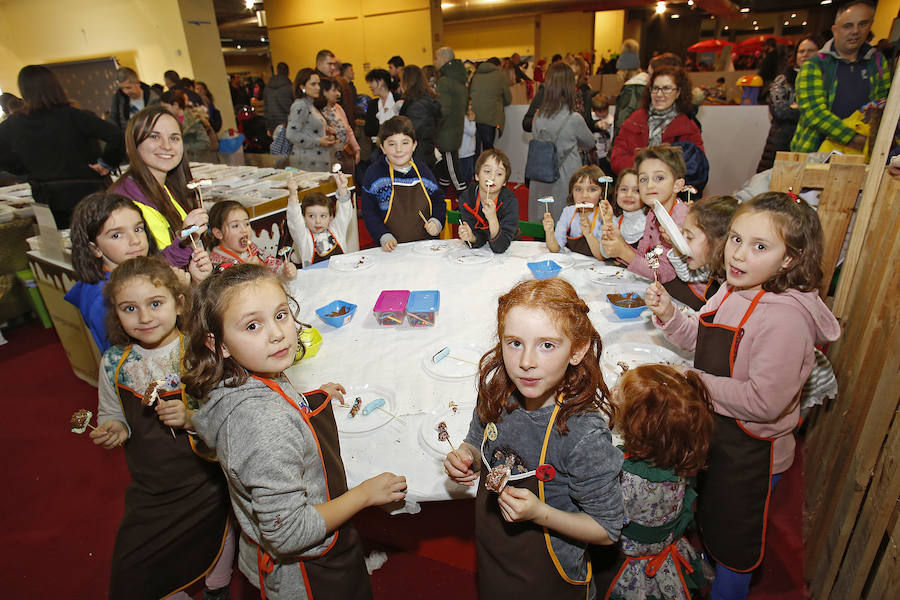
[
  {"x": 606, "y": 212},
  {"x": 547, "y": 222},
  {"x": 389, "y": 245},
  {"x": 665, "y": 239},
  {"x": 458, "y": 465},
  {"x": 335, "y": 390},
  {"x": 465, "y": 233},
  {"x": 518, "y": 504},
  {"x": 174, "y": 413},
  {"x": 293, "y": 184},
  {"x": 489, "y": 207},
  {"x": 288, "y": 270},
  {"x": 111, "y": 434},
  {"x": 198, "y": 217},
  {"x": 613, "y": 242},
  {"x": 584, "y": 220},
  {"x": 184, "y": 278},
  {"x": 340, "y": 179},
  {"x": 200, "y": 266},
  {"x": 432, "y": 227},
  {"x": 383, "y": 489},
  {"x": 658, "y": 301}
]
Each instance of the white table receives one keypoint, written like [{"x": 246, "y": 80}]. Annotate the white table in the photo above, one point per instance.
[{"x": 391, "y": 358}]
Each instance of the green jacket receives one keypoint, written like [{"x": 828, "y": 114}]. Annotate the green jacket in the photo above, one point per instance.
[
  {"x": 489, "y": 91},
  {"x": 452, "y": 94},
  {"x": 816, "y": 87}
]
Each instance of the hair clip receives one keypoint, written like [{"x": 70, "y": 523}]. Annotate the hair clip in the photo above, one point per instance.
[{"x": 794, "y": 197}]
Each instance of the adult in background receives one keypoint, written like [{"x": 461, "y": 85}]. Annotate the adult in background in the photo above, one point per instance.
[
  {"x": 278, "y": 97},
  {"x": 421, "y": 106},
  {"x": 768, "y": 67},
  {"x": 313, "y": 142},
  {"x": 454, "y": 99},
  {"x": 518, "y": 67},
  {"x": 57, "y": 146},
  {"x": 490, "y": 93},
  {"x": 783, "y": 105},
  {"x": 213, "y": 114},
  {"x": 348, "y": 75},
  {"x": 198, "y": 136},
  {"x": 556, "y": 121},
  {"x": 327, "y": 65},
  {"x": 662, "y": 119},
  {"x": 582, "y": 95},
  {"x": 132, "y": 96},
  {"x": 631, "y": 96},
  {"x": 175, "y": 82},
  {"x": 843, "y": 76},
  {"x": 634, "y": 80},
  {"x": 395, "y": 68},
  {"x": 383, "y": 104}
]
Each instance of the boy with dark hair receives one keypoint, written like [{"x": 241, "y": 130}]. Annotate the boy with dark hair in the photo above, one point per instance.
[
  {"x": 395, "y": 67},
  {"x": 401, "y": 201}
]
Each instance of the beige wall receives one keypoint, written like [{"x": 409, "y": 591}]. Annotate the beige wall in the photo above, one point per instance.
[
  {"x": 566, "y": 32},
  {"x": 363, "y": 32},
  {"x": 205, "y": 51},
  {"x": 884, "y": 18},
  {"x": 480, "y": 40},
  {"x": 608, "y": 29}
]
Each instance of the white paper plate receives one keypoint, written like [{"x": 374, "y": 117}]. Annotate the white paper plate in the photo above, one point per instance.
[
  {"x": 467, "y": 256},
  {"x": 362, "y": 424},
  {"x": 351, "y": 262},
  {"x": 635, "y": 355},
  {"x": 434, "y": 247},
  {"x": 599, "y": 272},
  {"x": 674, "y": 233},
  {"x": 563, "y": 260},
  {"x": 449, "y": 368},
  {"x": 457, "y": 426}
]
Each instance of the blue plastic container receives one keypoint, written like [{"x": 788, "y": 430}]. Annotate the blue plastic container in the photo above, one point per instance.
[
  {"x": 422, "y": 308},
  {"x": 334, "y": 307},
  {"x": 544, "y": 269},
  {"x": 625, "y": 312}
]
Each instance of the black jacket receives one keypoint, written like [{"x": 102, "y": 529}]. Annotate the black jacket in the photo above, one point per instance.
[
  {"x": 277, "y": 99},
  {"x": 425, "y": 114},
  {"x": 120, "y": 111}
]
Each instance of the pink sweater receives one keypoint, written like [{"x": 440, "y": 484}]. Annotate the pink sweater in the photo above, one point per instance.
[
  {"x": 773, "y": 361},
  {"x": 652, "y": 238}
]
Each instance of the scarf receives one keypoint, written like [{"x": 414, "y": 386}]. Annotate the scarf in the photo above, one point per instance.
[{"x": 657, "y": 123}]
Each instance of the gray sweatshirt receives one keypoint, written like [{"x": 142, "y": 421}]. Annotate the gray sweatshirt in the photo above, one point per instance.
[{"x": 275, "y": 478}]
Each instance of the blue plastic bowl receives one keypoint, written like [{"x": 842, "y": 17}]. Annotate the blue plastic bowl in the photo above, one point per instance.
[
  {"x": 333, "y": 307},
  {"x": 544, "y": 269},
  {"x": 624, "y": 312}
]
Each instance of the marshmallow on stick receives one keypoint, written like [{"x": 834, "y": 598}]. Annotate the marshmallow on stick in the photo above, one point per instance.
[
  {"x": 151, "y": 396},
  {"x": 690, "y": 190},
  {"x": 443, "y": 435},
  {"x": 605, "y": 180},
  {"x": 652, "y": 257}
]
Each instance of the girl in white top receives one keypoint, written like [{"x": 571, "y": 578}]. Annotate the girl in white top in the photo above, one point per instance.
[
  {"x": 318, "y": 227},
  {"x": 580, "y": 224},
  {"x": 630, "y": 213}
]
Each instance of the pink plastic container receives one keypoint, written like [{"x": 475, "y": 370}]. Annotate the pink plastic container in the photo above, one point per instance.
[{"x": 390, "y": 309}]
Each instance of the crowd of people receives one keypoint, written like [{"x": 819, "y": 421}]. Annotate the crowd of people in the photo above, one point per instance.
[{"x": 197, "y": 328}]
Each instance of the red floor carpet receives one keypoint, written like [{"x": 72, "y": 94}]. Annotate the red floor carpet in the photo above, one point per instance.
[{"x": 64, "y": 498}]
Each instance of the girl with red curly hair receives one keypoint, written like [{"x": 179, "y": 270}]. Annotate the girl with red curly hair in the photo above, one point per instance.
[
  {"x": 666, "y": 421},
  {"x": 539, "y": 437}
]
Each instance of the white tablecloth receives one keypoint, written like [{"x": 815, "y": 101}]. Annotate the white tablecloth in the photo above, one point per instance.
[{"x": 391, "y": 358}]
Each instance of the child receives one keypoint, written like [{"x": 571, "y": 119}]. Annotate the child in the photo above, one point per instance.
[
  {"x": 319, "y": 230},
  {"x": 705, "y": 230},
  {"x": 629, "y": 214},
  {"x": 401, "y": 201},
  {"x": 175, "y": 529},
  {"x": 489, "y": 212},
  {"x": 467, "y": 147},
  {"x": 581, "y": 236},
  {"x": 108, "y": 229},
  {"x": 660, "y": 177},
  {"x": 753, "y": 350},
  {"x": 603, "y": 124},
  {"x": 278, "y": 448},
  {"x": 666, "y": 422},
  {"x": 229, "y": 238},
  {"x": 540, "y": 421}
]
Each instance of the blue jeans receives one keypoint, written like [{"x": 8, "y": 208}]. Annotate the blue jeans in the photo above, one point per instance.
[{"x": 731, "y": 585}]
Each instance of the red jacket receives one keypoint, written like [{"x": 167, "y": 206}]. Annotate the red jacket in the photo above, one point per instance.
[{"x": 635, "y": 135}]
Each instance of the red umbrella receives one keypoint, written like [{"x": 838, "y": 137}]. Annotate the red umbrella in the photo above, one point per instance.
[
  {"x": 754, "y": 44},
  {"x": 709, "y": 46}
]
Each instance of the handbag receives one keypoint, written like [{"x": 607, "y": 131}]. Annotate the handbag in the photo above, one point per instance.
[
  {"x": 280, "y": 144},
  {"x": 542, "y": 163}
]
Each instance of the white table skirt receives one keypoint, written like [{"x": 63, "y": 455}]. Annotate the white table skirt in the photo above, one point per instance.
[{"x": 391, "y": 358}]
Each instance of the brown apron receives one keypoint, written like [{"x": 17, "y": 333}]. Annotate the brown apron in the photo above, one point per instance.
[
  {"x": 695, "y": 295},
  {"x": 402, "y": 218},
  {"x": 734, "y": 489},
  {"x": 176, "y": 508},
  {"x": 516, "y": 560},
  {"x": 579, "y": 244},
  {"x": 335, "y": 250},
  {"x": 339, "y": 573}
]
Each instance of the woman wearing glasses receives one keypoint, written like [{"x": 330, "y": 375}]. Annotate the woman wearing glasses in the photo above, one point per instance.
[{"x": 662, "y": 118}]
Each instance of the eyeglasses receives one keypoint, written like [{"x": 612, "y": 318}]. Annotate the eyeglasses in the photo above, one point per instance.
[{"x": 666, "y": 89}]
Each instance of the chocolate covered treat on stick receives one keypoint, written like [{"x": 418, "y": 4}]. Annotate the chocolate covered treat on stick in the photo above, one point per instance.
[
  {"x": 690, "y": 190},
  {"x": 354, "y": 410},
  {"x": 81, "y": 420},
  {"x": 444, "y": 435},
  {"x": 652, "y": 257},
  {"x": 151, "y": 396}
]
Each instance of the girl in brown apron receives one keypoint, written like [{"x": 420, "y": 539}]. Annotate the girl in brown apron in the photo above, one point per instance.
[
  {"x": 705, "y": 230},
  {"x": 278, "y": 448},
  {"x": 175, "y": 529},
  {"x": 229, "y": 237},
  {"x": 584, "y": 189},
  {"x": 539, "y": 439},
  {"x": 754, "y": 349}
]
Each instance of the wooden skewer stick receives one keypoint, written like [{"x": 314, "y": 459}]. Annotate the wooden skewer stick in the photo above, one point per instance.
[
  {"x": 424, "y": 220},
  {"x": 452, "y": 447},
  {"x": 392, "y": 415}
]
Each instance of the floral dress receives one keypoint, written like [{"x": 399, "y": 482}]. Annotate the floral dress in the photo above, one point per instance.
[{"x": 659, "y": 561}]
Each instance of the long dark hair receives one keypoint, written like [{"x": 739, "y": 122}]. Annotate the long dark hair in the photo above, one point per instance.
[
  {"x": 139, "y": 128},
  {"x": 582, "y": 387},
  {"x": 304, "y": 75},
  {"x": 559, "y": 90},
  {"x": 40, "y": 89},
  {"x": 414, "y": 84},
  {"x": 88, "y": 219}
]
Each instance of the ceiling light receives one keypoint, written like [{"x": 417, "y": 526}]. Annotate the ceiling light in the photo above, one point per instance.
[
  {"x": 660, "y": 7},
  {"x": 755, "y": 22},
  {"x": 249, "y": 4},
  {"x": 238, "y": 46},
  {"x": 745, "y": 10},
  {"x": 786, "y": 23},
  {"x": 725, "y": 28},
  {"x": 676, "y": 16},
  {"x": 690, "y": 2},
  {"x": 803, "y": 23},
  {"x": 262, "y": 39},
  {"x": 756, "y": 28},
  {"x": 793, "y": 15},
  {"x": 826, "y": 2}
]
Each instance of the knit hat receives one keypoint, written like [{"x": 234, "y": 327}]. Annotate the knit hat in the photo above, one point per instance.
[{"x": 628, "y": 60}]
